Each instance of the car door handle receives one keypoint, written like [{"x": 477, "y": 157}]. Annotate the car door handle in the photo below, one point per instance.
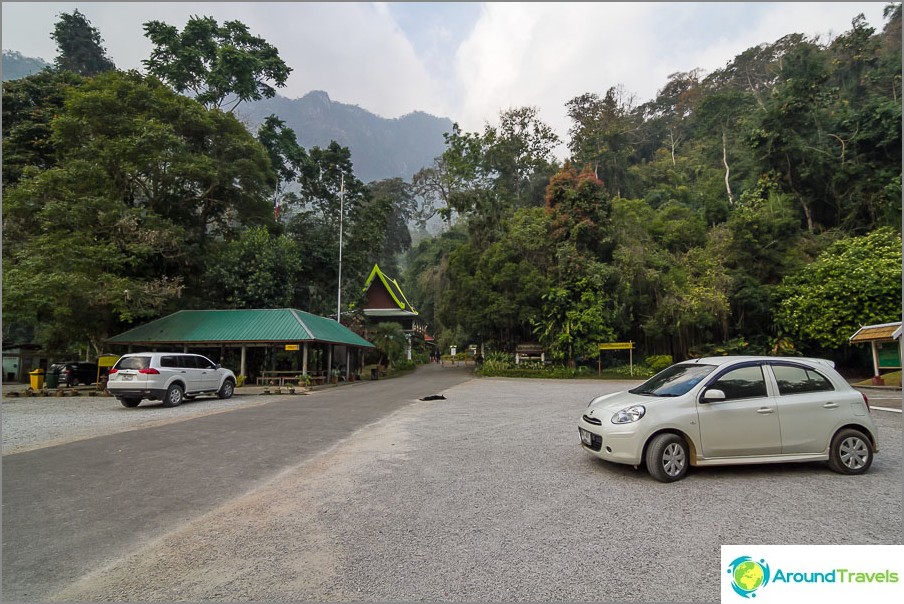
[
  {"x": 830, "y": 406},
  {"x": 765, "y": 410}
]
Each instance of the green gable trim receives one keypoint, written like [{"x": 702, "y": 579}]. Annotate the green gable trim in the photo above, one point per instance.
[
  {"x": 262, "y": 326},
  {"x": 391, "y": 286}
]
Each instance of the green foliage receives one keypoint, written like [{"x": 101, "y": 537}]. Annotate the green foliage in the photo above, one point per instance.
[
  {"x": 658, "y": 362},
  {"x": 390, "y": 340},
  {"x": 218, "y": 65},
  {"x": 79, "y": 45},
  {"x": 855, "y": 282},
  {"x": 257, "y": 270}
]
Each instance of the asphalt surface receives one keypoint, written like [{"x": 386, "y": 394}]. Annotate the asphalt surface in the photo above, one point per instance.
[
  {"x": 72, "y": 507},
  {"x": 365, "y": 493}
]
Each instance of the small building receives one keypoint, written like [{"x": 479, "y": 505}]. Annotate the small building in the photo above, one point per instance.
[
  {"x": 885, "y": 341},
  {"x": 384, "y": 302},
  {"x": 281, "y": 338}
]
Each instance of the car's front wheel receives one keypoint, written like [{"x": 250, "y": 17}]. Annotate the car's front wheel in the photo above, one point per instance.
[
  {"x": 667, "y": 457},
  {"x": 174, "y": 396},
  {"x": 226, "y": 389},
  {"x": 851, "y": 452},
  {"x": 130, "y": 402}
]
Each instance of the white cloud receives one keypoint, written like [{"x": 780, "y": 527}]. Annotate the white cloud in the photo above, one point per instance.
[{"x": 394, "y": 58}]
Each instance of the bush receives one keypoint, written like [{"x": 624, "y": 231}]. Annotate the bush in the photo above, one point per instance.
[{"x": 658, "y": 362}]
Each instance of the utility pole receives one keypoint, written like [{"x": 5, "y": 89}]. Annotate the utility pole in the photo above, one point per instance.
[{"x": 341, "y": 212}]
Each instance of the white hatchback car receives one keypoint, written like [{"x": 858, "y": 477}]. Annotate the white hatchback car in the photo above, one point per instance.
[
  {"x": 734, "y": 410},
  {"x": 170, "y": 377}
]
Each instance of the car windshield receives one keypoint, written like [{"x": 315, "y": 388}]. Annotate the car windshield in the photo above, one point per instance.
[{"x": 674, "y": 381}]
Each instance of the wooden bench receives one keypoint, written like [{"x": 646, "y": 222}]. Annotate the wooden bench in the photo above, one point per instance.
[{"x": 281, "y": 378}]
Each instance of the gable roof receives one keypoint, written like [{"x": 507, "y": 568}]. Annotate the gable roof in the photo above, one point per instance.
[
  {"x": 885, "y": 331},
  {"x": 392, "y": 287},
  {"x": 260, "y": 326}
]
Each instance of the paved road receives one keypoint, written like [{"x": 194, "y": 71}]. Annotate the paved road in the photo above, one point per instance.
[
  {"x": 70, "y": 508},
  {"x": 483, "y": 496}
]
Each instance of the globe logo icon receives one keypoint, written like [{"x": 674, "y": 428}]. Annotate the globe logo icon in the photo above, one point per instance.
[{"x": 748, "y": 575}]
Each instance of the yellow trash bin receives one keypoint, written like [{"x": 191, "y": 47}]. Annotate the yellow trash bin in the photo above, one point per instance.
[{"x": 37, "y": 379}]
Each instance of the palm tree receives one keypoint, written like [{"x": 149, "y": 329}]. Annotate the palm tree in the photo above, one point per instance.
[{"x": 389, "y": 338}]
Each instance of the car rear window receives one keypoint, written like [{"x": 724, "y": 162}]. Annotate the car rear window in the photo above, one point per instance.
[
  {"x": 798, "y": 380},
  {"x": 133, "y": 363}
]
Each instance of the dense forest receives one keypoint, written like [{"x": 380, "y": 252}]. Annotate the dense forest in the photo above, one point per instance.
[{"x": 753, "y": 209}]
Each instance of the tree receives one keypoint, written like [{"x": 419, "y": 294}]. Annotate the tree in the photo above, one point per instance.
[
  {"x": 79, "y": 45},
  {"x": 220, "y": 65},
  {"x": 855, "y": 282},
  {"x": 390, "y": 340},
  {"x": 29, "y": 107},
  {"x": 257, "y": 270},
  {"x": 115, "y": 227}
]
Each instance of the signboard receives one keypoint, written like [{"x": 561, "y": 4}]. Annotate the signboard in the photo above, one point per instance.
[
  {"x": 889, "y": 355},
  {"x": 292, "y": 347},
  {"x": 617, "y": 346}
]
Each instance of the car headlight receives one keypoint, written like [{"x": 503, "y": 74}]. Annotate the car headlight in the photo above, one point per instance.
[{"x": 631, "y": 414}]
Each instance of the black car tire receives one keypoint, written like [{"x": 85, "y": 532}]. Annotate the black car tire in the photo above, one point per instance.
[
  {"x": 174, "y": 396},
  {"x": 667, "y": 457},
  {"x": 851, "y": 452},
  {"x": 226, "y": 389},
  {"x": 130, "y": 402}
]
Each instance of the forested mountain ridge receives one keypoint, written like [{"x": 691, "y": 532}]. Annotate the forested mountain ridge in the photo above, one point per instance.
[
  {"x": 381, "y": 148},
  {"x": 16, "y": 65}
]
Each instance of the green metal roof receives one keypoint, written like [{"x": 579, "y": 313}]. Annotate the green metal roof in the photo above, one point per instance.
[{"x": 241, "y": 326}]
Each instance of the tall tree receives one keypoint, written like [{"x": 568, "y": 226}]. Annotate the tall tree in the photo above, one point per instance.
[
  {"x": 79, "y": 45},
  {"x": 855, "y": 282},
  {"x": 222, "y": 66}
]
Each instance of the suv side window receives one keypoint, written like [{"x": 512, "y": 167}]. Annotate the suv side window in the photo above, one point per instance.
[
  {"x": 170, "y": 361},
  {"x": 743, "y": 382},
  {"x": 799, "y": 380},
  {"x": 204, "y": 363}
]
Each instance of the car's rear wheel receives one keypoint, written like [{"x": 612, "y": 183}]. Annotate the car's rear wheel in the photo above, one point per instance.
[
  {"x": 130, "y": 402},
  {"x": 174, "y": 396},
  {"x": 851, "y": 452},
  {"x": 226, "y": 389},
  {"x": 667, "y": 457}
]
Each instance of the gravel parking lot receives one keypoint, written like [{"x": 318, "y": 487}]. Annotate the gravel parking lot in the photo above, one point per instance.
[{"x": 483, "y": 496}]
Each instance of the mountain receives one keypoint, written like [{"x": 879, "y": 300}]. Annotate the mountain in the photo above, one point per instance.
[
  {"x": 16, "y": 66},
  {"x": 380, "y": 147}
]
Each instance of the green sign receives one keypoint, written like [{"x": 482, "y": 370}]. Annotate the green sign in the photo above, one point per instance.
[{"x": 889, "y": 354}]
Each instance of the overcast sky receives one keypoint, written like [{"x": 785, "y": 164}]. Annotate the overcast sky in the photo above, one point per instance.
[{"x": 464, "y": 61}]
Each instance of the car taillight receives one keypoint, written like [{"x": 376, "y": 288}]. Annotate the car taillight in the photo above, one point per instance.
[
  {"x": 866, "y": 402},
  {"x": 112, "y": 371},
  {"x": 149, "y": 371}
]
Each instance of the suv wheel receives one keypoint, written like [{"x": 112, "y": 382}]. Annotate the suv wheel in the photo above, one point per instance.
[
  {"x": 226, "y": 389},
  {"x": 174, "y": 396},
  {"x": 851, "y": 452},
  {"x": 130, "y": 402}
]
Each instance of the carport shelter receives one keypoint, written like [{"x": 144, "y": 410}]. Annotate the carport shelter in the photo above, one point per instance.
[{"x": 281, "y": 329}]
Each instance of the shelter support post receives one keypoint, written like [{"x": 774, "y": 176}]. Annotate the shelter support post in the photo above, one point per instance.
[
  {"x": 304, "y": 360},
  {"x": 242, "y": 363}
]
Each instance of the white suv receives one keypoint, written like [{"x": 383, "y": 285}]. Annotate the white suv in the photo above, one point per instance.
[{"x": 170, "y": 377}]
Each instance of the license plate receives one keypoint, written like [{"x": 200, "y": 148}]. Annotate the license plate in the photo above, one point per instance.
[
  {"x": 586, "y": 438},
  {"x": 127, "y": 377}
]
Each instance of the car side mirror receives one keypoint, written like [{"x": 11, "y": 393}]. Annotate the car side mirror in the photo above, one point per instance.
[
  {"x": 218, "y": 366},
  {"x": 713, "y": 395}
]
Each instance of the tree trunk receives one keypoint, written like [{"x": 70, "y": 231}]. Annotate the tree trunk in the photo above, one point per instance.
[{"x": 727, "y": 169}]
